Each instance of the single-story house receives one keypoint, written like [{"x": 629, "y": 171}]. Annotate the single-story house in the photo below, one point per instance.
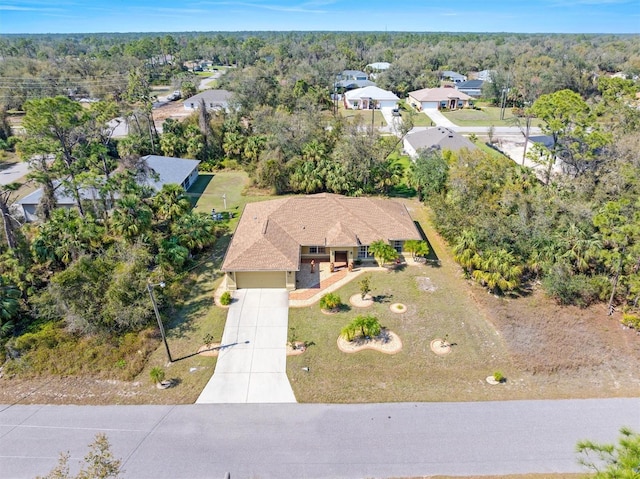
[
  {"x": 438, "y": 138},
  {"x": 159, "y": 170},
  {"x": 353, "y": 75},
  {"x": 369, "y": 98},
  {"x": 472, "y": 88},
  {"x": 438, "y": 99},
  {"x": 274, "y": 238},
  {"x": 213, "y": 100},
  {"x": 455, "y": 77},
  {"x": 352, "y": 79}
]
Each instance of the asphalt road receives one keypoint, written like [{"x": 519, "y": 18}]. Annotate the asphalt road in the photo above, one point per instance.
[
  {"x": 283, "y": 441},
  {"x": 11, "y": 172}
]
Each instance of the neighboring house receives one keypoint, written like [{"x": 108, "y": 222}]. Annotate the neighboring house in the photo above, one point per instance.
[
  {"x": 471, "y": 87},
  {"x": 376, "y": 68},
  {"x": 370, "y": 98},
  {"x": 159, "y": 170},
  {"x": 438, "y": 138},
  {"x": 274, "y": 238},
  {"x": 438, "y": 99},
  {"x": 455, "y": 77},
  {"x": 485, "y": 75},
  {"x": 352, "y": 79},
  {"x": 213, "y": 100}
]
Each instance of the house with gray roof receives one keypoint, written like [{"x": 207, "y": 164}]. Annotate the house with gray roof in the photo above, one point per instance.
[
  {"x": 213, "y": 100},
  {"x": 274, "y": 238},
  {"x": 455, "y": 77},
  {"x": 352, "y": 79},
  {"x": 370, "y": 98},
  {"x": 472, "y": 88},
  {"x": 154, "y": 172},
  {"x": 437, "y": 138}
]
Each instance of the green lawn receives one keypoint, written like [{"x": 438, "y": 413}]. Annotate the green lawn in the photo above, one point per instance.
[
  {"x": 486, "y": 116},
  {"x": 365, "y": 115}
]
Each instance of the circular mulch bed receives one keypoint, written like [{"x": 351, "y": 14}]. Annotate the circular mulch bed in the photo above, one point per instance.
[
  {"x": 330, "y": 311},
  {"x": 491, "y": 380},
  {"x": 357, "y": 301},
  {"x": 208, "y": 349},
  {"x": 440, "y": 347},
  {"x": 387, "y": 342},
  {"x": 398, "y": 308}
]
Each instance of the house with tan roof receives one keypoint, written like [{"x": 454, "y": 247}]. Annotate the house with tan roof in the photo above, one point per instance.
[
  {"x": 438, "y": 99},
  {"x": 274, "y": 238}
]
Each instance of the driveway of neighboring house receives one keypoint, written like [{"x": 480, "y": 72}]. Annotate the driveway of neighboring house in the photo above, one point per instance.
[
  {"x": 252, "y": 362},
  {"x": 438, "y": 118},
  {"x": 10, "y": 173}
]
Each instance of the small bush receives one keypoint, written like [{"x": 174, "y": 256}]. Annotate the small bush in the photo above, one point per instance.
[
  {"x": 631, "y": 320},
  {"x": 498, "y": 376},
  {"x": 330, "y": 301},
  {"x": 157, "y": 374},
  {"x": 225, "y": 299},
  {"x": 567, "y": 288}
]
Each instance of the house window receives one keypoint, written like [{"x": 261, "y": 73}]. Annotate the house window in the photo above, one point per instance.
[
  {"x": 363, "y": 252},
  {"x": 397, "y": 245},
  {"x": 317, "y": 250}
]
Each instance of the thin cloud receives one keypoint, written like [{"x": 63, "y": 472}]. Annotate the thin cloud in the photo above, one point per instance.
[{"x": 275, "y": 8}]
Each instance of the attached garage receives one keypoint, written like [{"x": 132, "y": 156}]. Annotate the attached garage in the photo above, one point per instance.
[{"x": 261, "y": 279}]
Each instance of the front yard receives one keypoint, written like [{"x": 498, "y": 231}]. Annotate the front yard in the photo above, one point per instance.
[{"x": 544, "y": 351}]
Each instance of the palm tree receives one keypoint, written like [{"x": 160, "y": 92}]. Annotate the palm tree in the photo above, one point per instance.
[
  {"x": 194, "y": 231},
  {"x": 465, "y": 251},
  {"x": 9, "y": 305},
  {"x": 171, "y": 202},
  {"x": 383, "y": 252},
  {"x": 498, "y": 270},
  {"x": 416, "y": 248},
  {"x": 131, "y": 218}
]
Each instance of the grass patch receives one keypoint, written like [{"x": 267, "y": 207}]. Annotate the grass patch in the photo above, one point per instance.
[
  {"x": 485, "y": 116},
  {"x": 362, "y": 115}
]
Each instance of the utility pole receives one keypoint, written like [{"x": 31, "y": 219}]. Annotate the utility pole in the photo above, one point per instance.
[{"x": 160, "y": 325}]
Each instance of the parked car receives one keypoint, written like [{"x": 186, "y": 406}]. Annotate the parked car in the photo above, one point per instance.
[
  {"x": 176, "y": 95},
  {"x": 395, "y": 112}
]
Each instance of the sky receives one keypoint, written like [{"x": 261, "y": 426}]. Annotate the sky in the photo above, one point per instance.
[{"x": 521, "y": 16}]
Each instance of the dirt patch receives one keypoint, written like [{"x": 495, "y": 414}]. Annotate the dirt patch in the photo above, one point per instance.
[
  {"x": 425, "y": 284},
  {"x": 440, "y": 347},
  {"x": 174, "y": 109},
  {"x": 577, "y": 347}
]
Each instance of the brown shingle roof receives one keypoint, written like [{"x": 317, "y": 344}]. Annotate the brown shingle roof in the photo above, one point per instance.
[
  {"x": 438, "y": 94},
  {"x": 270, "y": 233}
]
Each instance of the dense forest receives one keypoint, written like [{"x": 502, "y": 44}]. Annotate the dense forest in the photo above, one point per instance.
[{"x": 84, "y": 270}]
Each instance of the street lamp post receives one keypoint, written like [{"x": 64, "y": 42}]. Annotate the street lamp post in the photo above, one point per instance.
[{"x": 150, "y": 287}]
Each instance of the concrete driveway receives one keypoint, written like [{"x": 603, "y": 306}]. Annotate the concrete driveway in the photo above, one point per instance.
[{"x": 252, "y": 364}]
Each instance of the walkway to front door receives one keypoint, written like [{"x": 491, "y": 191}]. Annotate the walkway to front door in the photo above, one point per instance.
[{"x": 253, "y": 368}]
